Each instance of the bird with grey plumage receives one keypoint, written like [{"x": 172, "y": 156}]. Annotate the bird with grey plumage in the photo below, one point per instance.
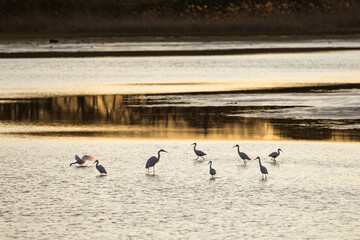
[
  {"x": 100, "y": 168},
  {"x": 198, "y": 153},
  {"x": 152, "y": 161},
  {"x": 274, "y": 155},
  {"x": 82, "y": 160},
  {"x": 263, "y": 169},
  {"x": 212, "y": 170},
  {"x": 242, "y": 155}
]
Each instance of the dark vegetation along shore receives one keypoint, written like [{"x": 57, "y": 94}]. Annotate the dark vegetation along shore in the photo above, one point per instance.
[{"x": 19, "y": 18}]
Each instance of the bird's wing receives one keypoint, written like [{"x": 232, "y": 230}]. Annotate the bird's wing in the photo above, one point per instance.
[
  {"x": 102, "y": 169},
  {"x": 273, "y": 154},
  {"x": 88, "y": 158},
  {"x": 200, "y": 153},
  {"x": 151, "y": 162},
  {"x": 244, "y": 155}
]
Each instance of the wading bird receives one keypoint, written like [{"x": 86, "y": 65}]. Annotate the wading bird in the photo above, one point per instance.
[
  {"x": 100, "y": 168},
  {"x": 153, "y": 160},
  {"x": 274, "y": 155},
  {"x": 263, "y": 169},
  {"x": 82, "y": 160},
  {"x": 212, "y": 171},
  {"x": 199, "y": 153},
  {"x": 243, "y": 155}
]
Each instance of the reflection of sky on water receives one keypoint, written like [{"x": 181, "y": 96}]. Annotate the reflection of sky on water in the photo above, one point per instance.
[
  {"x": 255, "y": 116},
  {"x": 143, "y": 75}
]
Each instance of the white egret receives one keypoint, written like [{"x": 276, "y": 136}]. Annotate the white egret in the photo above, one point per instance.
[
  {"x": 263, "y": 169},
  {"x": 82, "y": 160},
  {"x": 199, "y": 153},
  {"x": 100, "y": 168},
  {"x": 275, "y": 155},
  {"x": 243, "y": 155},
  {"x": 212, "y": 171},
  {"x": 151, "y": 162}
]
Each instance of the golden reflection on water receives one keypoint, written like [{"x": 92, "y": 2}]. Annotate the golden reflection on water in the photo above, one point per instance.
[
  {"x": 139, "y": 116},
  {"x": 222, "y": 86}
]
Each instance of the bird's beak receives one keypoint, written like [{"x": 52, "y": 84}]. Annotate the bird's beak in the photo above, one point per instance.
[{"x": 234, "y": 146}]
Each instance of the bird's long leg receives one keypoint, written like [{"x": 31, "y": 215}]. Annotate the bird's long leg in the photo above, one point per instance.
[
  {"x": 203, "y": 158},
  {"x": 154, "y": 169}
]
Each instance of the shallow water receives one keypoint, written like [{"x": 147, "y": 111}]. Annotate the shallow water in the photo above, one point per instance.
[
  {"x": 331, "y": 115},
  {"x": 143, "y": 75},
  {"x": 311, "y": 194},
  {"x": 123, "y": 110}
]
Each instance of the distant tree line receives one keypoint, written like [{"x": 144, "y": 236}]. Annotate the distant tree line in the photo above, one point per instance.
[{"x": 178, "y": 16}]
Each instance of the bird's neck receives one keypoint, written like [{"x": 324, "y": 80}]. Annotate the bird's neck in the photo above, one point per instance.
[{"x": 238, "y": 149}]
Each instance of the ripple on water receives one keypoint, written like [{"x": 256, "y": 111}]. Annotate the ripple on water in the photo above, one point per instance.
[{"x": 312, "y": 193}]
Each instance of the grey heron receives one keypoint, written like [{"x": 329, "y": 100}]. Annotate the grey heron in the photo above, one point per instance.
[
  {"x": 199, "y": 153},
  {"x": 82, "y": 160},
  {"x": 152, "y": 161},
  {"x": 100, "y": 168},
  {"x": 275, "y": 155},
  {"x": 242, "y": 155},
  {"x": 263, "y": 169},
  {"x": 212, "y": 171}
]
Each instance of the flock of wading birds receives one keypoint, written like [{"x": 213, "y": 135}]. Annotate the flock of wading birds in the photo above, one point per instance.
[{"x": 152, "y": 161}]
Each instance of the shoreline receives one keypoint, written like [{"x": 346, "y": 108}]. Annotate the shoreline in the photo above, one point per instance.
[
  {"x": 326, "y": 87},
  {"x": 109, "y": 38},
  {"x": 165, "y": 53}
]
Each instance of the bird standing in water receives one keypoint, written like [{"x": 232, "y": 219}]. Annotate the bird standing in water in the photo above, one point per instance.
[
  {"x": 199, "y": 153},
  {"x": 263, "y": 169},
  {"x": 152, "y": 161},
  {"x": 243, "y": 155},
  {"x": 82, "y": 160},
  {"x": 274, "y": 155},
  {"x": 212, "y": 171},
  {"x": 100, "y": 168}
]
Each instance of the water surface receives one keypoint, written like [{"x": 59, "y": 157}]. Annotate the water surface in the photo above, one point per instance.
[
  {"x": 144, "y": 75},
  {"x": 312, "y": 193},
  {"x": 123, "y": 110}
]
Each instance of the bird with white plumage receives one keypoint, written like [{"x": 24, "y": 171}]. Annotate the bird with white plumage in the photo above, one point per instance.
[
  {"x": 82, "y": 160},
  {"x": 212, "y": 170},
  {"x": 274, "y": 155},
  {"x": 263, "y": 169},
  {"x": 198, "y": 153},
  {"x": 100, "y": 168},
  {"x": 152, "y": 161},
  {"x": 242, "y": 155}
]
